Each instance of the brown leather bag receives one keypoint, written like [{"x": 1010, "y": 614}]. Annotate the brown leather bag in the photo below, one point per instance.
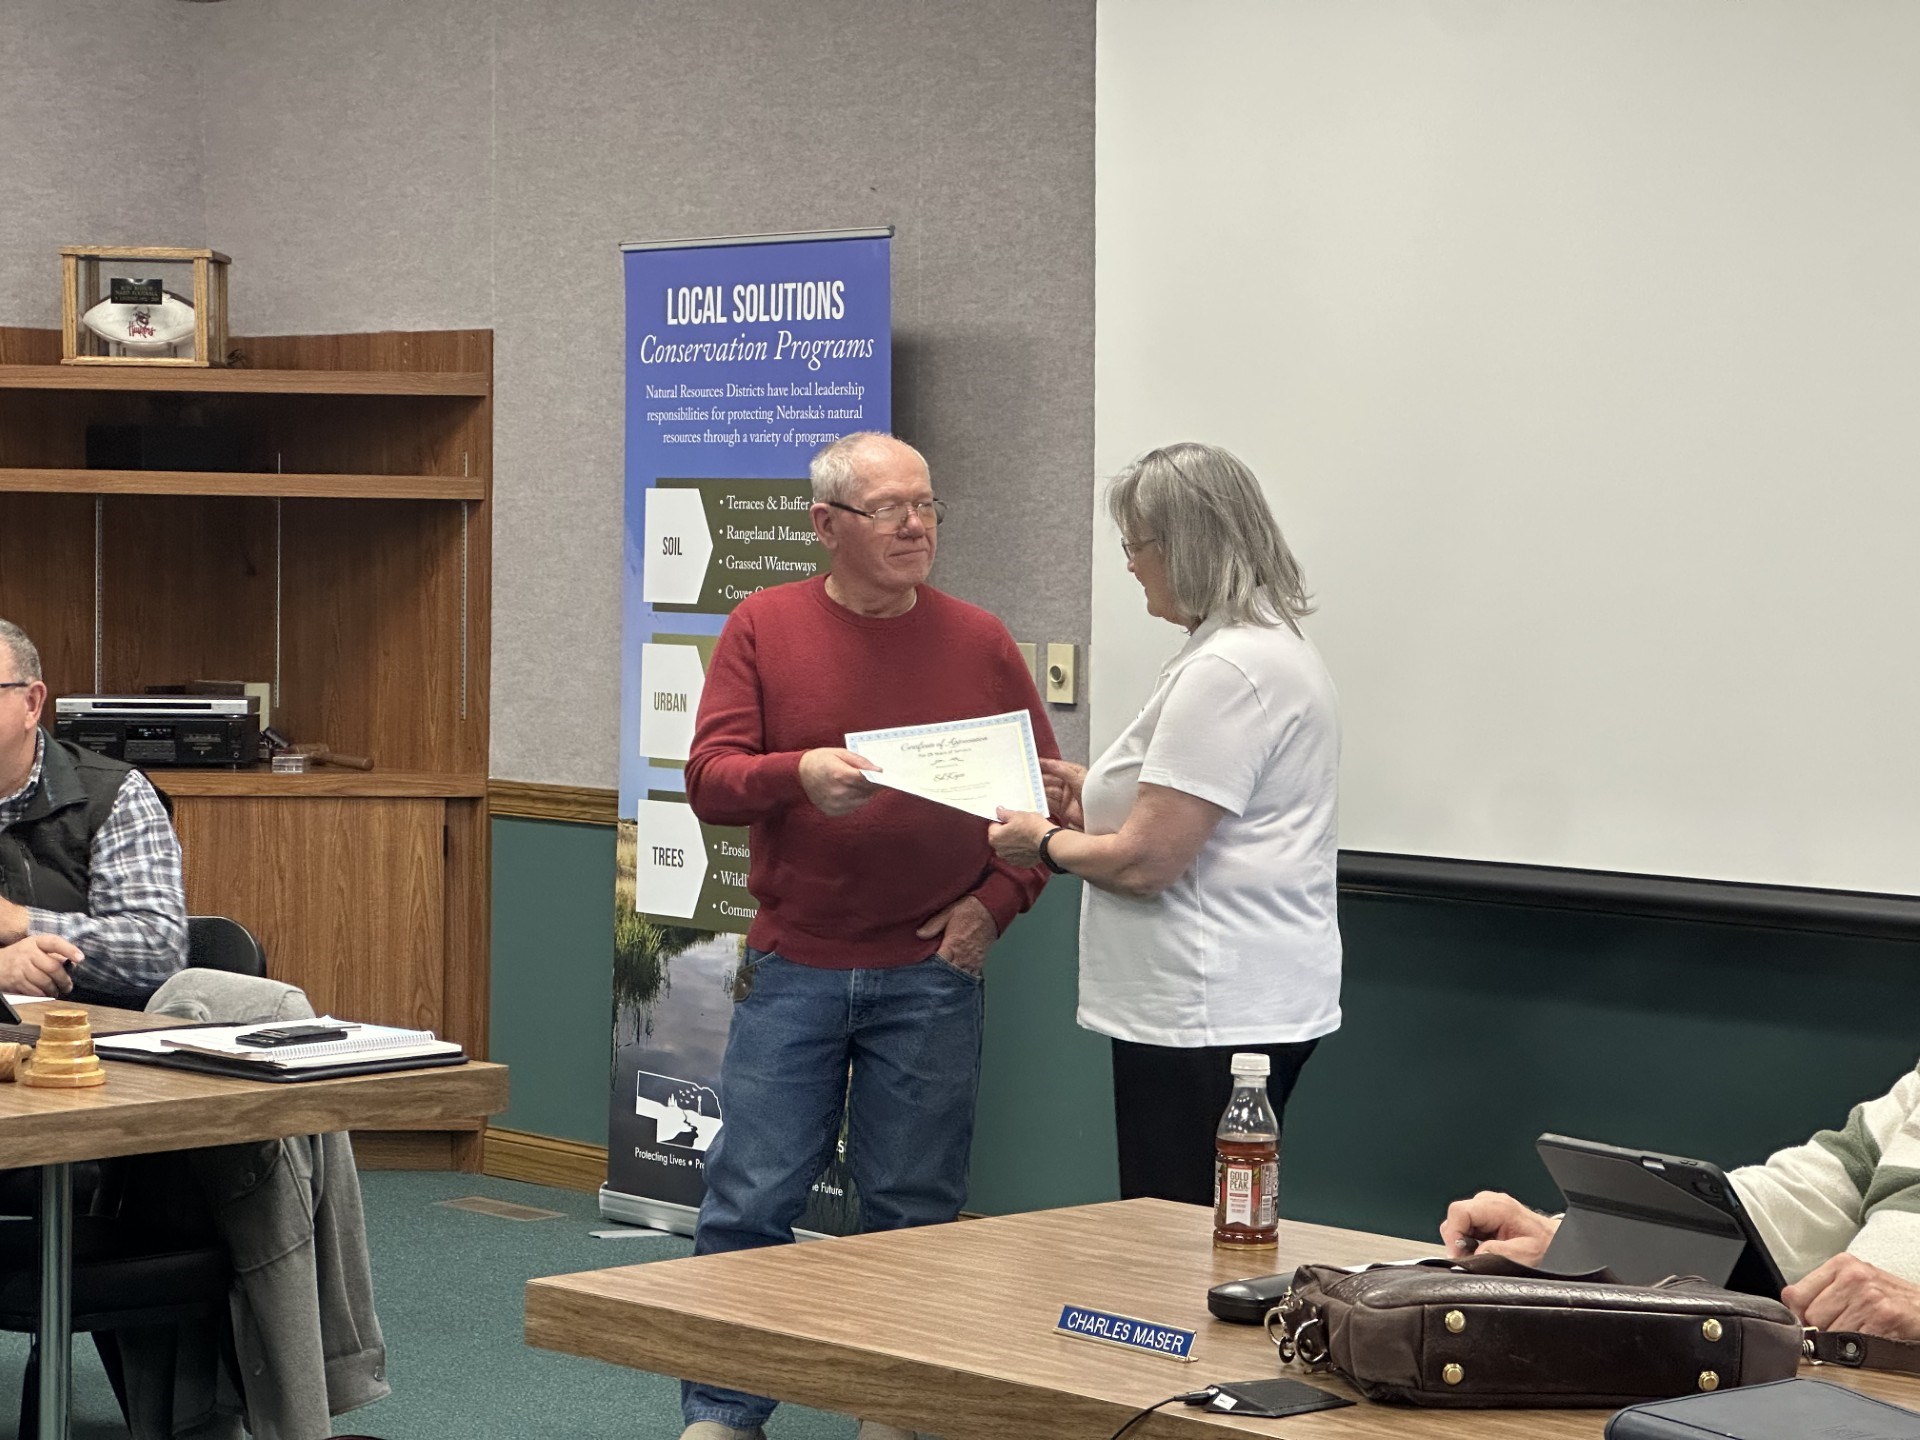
[{"x": 1488, "y": 1332}]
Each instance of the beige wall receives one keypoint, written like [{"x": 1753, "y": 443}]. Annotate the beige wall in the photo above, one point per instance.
[
  {"x": 376, "y": 164},
  {"x": 99, "y": 138}
]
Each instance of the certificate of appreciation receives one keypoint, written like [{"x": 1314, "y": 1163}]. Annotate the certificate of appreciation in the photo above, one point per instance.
[{"x": 972, "y": 765}]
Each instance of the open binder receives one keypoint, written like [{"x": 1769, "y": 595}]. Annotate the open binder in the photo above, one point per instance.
[{"x": 216, "y": 1050}]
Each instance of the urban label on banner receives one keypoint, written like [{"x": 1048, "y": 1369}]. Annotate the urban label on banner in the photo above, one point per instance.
[
  {"x": 673, "y": 673},
  {"x": 688, "y": 872},
  {"x": 712, "y": 543}
]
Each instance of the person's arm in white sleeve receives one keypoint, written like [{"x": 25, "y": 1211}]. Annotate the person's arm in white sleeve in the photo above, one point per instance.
[{"x": 1853, "y": 1189}]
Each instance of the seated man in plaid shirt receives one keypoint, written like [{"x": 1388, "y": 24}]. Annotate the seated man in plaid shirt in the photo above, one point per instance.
[{"x": 91, "y": 901}]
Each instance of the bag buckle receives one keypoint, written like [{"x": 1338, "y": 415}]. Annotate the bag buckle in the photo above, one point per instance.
[
  {"x": 1839, "y": 1349},
  {"x": 1301, "y": 1337}
]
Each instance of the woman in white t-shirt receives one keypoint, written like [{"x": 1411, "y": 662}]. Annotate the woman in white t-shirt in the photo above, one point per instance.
[{"x": 1206, "y": 832}]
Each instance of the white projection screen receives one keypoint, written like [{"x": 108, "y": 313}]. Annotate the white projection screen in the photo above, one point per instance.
[{"x": 1577, "y": 345}]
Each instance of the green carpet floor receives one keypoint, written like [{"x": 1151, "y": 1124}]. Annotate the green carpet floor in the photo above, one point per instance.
[{"x": 448, "y": 1285}]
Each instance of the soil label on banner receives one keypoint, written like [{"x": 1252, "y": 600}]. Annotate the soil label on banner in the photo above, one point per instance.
[{"x": 712, "y": 543}]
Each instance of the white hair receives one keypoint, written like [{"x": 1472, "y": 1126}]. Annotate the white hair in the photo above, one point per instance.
[
  {"x": 1223, "y": 549},
  {"x": 835, "y": 469}
]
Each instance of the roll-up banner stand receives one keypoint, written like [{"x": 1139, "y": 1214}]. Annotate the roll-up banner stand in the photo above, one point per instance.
[{"x": 744, "y": 356}]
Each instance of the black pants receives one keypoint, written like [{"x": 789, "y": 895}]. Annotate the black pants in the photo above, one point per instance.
[{"x": 1167, "y": 1102}]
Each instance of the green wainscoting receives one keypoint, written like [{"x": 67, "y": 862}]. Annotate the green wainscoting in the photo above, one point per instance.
[
  {"x": 552, "y": 1010},
  {"x": 1469, "y": 1030},
  {"x": 1044, "y": 1135}
]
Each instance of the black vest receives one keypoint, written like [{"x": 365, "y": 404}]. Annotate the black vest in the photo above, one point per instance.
[{"x": 45, "y": 855}]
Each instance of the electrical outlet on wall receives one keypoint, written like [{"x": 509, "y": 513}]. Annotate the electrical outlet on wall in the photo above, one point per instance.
[{"x": 1062, "y": 673}]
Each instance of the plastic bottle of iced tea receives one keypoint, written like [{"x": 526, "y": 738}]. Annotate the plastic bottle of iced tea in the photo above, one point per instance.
[{"x": 1246, "y": 1170}]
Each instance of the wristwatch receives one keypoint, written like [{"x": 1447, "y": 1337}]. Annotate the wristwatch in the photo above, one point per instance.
[{"x": 1046, "y": 855}]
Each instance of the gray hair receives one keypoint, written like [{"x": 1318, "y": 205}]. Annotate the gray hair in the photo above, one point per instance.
[
  {"x": 1224, "y": 552},
  {"x": 26, "y": 659},
  {"x": 835, "y": 469}
]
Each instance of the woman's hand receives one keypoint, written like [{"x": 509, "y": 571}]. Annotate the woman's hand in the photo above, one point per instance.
[
  {"x": 1063, "y": 780},
  {"x": 1016, "y": 838}
]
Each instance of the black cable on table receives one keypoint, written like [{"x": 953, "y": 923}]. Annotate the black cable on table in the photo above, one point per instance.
[{"x": 1190, "y": 1397}]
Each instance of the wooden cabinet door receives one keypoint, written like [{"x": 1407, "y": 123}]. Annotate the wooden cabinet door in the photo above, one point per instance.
[{"x": 348, "y": 896}]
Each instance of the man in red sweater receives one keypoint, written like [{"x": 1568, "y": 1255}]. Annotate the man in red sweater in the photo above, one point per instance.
[{"x": 876, "y": 907}]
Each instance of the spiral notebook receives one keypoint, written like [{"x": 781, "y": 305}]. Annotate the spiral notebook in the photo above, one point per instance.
[{"x": 216, "y": 1048}]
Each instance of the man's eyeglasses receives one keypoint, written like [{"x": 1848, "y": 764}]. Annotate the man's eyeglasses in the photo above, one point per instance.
[
  {"x": 931, "y": 512},
  {"x": 1127, "y": 547},
  {"x": 14, "y": 684}
]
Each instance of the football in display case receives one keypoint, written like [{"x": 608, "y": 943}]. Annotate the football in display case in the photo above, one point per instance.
[
  {"x": 141, "y": 327},
  {"x": 143, "y": 305}
]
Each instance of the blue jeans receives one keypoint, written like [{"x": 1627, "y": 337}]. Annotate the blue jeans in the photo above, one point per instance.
[{"x": 912, "y": 1038}]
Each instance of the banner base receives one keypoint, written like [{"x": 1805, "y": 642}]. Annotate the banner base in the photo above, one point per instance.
[
  {"x": 664, "y": 1214},
  {"x": 655, "y": 1214}
]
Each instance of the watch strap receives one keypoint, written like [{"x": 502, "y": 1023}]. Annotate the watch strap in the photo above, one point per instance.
[{"x": 1046, "y": 852}]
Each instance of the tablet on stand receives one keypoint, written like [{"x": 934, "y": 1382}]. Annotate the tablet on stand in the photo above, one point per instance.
[{"x": 1646, "y": 1216}]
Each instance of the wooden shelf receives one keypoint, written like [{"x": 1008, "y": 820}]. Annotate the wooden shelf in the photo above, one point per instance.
[
  {"x": 241, "y": 381},
  {"x": 263, "y": 483},
  {"x": 327, "y": 782},
  {"x": 367, "y": 599}
]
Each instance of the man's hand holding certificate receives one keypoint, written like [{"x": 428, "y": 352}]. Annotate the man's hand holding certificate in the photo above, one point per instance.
[{"x": 972, "y": 765}]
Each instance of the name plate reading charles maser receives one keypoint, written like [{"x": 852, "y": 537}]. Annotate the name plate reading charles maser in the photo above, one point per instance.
[{"x": 1169, "y": 1342}]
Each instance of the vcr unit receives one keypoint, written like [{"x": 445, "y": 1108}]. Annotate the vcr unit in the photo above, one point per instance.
[{"x": 163, "y": 730}]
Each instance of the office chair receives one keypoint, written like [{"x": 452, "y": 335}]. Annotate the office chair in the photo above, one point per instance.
[
  {"x": 216, "y": 943},
  {"x": 123, "y": 1277}
]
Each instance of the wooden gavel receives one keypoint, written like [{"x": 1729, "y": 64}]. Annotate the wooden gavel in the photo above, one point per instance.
[{"x": 324, "y": 755}]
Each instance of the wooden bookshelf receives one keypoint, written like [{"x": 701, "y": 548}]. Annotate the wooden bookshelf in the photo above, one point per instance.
[{"x": 342, "y": 549}]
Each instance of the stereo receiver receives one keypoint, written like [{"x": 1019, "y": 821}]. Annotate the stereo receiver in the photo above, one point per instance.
[{"x": 163, "y": 730}]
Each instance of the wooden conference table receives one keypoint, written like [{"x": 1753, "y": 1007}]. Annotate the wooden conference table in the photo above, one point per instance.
[
  {"x": 949, "y": 1329},
  {"x": 144, "y": 1108}
]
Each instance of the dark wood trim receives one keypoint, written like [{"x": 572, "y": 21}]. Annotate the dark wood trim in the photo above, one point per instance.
[
  {"x": 220, "y": 380},
  {"x": 209, "y": 482},
  {"x": 544, "y": 1160},
  {"x": 405, "y": 1150},
  {"x": 576, "y": 804},
  {"x": 1659, "y": 897},
  {"x": 322, "y": 782}
]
